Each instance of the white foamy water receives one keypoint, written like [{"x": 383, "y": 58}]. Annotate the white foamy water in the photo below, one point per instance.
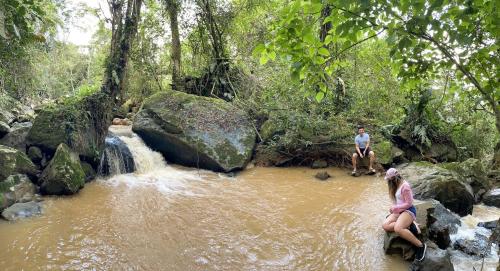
[{"x": 468, "y": 230}]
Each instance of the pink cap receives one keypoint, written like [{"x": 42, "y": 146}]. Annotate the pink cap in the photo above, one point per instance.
[{"x": 391, "y": 173}]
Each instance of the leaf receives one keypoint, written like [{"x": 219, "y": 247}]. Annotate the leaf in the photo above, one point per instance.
[
  {"x": 323, "y": 51},
  {"x": 319, "y": 96},
  {"x": 258, "y": 49},
  {"x": 263, "y": 59}
]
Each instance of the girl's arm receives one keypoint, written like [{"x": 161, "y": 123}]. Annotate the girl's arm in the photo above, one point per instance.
[{"x": 407, "y": 196}]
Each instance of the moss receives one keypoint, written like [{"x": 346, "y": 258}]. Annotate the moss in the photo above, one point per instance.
[
  {"x": 13, "y": 161},
  {"x": 383, "y": 151},
  {"x": 64, "y": 174}
]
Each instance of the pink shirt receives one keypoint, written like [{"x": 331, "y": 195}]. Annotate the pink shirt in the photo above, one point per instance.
[{"x": 404, "y": 200}]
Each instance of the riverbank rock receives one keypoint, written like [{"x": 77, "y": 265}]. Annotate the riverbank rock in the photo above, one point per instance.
[
  {"x": 492, "y": 198},
  {"x": 22, "y": 210},
  {"x": 322, "y": 176},
  {"x": 490, "y": 225},
  {"x": 319, "y": 164},
  {"x": 474, "y": 173},
  {"x": 82, "y": 125},
  {"x": 12, "y": 110},
  {"x": 12, "y": 161},
  {"x": 435, "y": 259},
  {"x": 196, "y": 131},
  {"x": 64, "y": 174},
  {"x": 17, "y": 136},
  {"x": 14, "y": 189},
  {"x": 432, "y": 182},
  {"x": 442, "y": 223},
  {"x": 395, "y": 245},
  {"x": 35, "y": 154},
  {"x": 116, "y": 157},
  {"x": 477, "y": 246},
  {"x": 4, "y": 129},
  {"x": 89, "y": 171}
]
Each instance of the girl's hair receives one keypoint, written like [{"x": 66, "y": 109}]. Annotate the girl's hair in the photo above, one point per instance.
[{"x": 393, "y": 184}]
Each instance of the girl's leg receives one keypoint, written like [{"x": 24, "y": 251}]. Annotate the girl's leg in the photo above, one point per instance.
[
  {"x": 401, "y": 228},
  {"x": 389, "y": 222}
]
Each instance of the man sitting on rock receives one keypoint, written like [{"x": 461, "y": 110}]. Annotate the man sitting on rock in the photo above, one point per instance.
[{"x": 362, "y": 142}]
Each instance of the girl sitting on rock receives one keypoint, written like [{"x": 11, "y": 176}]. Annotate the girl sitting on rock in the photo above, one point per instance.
[{"x": 403, "y": 213}]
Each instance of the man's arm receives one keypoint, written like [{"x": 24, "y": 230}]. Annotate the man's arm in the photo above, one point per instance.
[
  {"x": 367, "y": 146},
  {"x": 358, "y": 150}
]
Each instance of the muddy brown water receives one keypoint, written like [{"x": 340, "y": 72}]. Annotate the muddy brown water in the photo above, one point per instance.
[{"x": 182, "y": 219}]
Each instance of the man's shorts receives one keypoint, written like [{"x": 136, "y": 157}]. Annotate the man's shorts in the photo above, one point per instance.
[{"x": 368, "y": 150}]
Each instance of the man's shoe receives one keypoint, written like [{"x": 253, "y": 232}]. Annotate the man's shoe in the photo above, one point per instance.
[{"x": 420, "y": 252}]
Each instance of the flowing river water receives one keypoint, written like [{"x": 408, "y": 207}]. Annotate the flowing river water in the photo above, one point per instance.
[{"x": 166, "y": 217}]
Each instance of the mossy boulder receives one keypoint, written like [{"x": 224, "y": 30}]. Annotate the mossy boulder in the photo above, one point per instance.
[
  {"x": 13, "y": 161},
  {"x": 64, "y": 174},
  {"x": 474, "y": 173},
  {"x": 4, "y": 129},
  {"x": 80, "y": 124},
  {"x": 17, "y": 136},
  {"x": 11, "y": 110},
  {"x": 429, "y": 181},
  {"x": 196, "y": 131},
  {"x": 16, "y": 188},
  {"x": 384, "y": 152}
]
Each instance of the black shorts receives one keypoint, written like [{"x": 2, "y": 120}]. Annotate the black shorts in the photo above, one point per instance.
[{"x": 368, "y": 150}]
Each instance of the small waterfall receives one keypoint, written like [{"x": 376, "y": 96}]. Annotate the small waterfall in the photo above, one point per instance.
[
  {"x": 116, "y": 158},
  {"x": 125, "y": 152}
]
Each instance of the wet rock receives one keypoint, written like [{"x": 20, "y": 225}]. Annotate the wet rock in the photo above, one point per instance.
[
  {"x": 64, "y": 174},
  {"x": 442, "y": 223},
  {"x": 473, "y": 173},
  {"x": 14, "y": 189},
  {"x": 89, "y": 171},
  {"x": 116, "y": 158},
  {"x": 4, "y": 129},
  {"x": 323, "y": 175},
  {"x": 488, "y": 225},
  {"x": 492, "y": 198},
  {"x": 478, "y": 246},
  {"x": 435, "y": 259},
  {"x": 423, "y": 209},
  {"x": 120, "y": 121},
  {"x": 395, "y": 245},
  {"x": 196, "y": 131},
  {"x": 17, "y": 136},
  {"x": 22, "y": 210},
  {"x": 35, "y": 154},
  {"x": 13, "y": 161},
  {"x": 81, "y": 125},
  {"x": 432, "y": 182},
  {"x": 319, "y": 164}
]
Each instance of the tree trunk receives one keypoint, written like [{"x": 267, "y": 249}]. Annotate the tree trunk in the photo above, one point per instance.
[
  {"x": 496, "y": 155},
  {"x": 173, "y": 10},
  {"x": 324, "y": 28}
]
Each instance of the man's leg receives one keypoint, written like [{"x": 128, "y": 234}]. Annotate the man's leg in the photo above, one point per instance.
[
  {"x": 372, "y": 159},
  {"x": 354, "y": 161}
]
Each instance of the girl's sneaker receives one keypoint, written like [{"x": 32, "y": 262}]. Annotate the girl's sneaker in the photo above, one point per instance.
[{"x": 420, "y": 252}]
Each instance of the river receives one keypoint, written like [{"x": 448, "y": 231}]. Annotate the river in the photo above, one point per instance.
[{"x": 165, "y": 217}]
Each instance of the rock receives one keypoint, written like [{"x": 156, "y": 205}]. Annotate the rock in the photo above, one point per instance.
[
  {"x": 435, "y": 259},
  {"x": 473, "y": 173},
  {"x": 383, "y": 152},
  {"x": 492, "y": 198},
  {"x": 393, "y": 244},
  {"x": 11, "y": 110},
  {"x": 13, "y": 161},
  {"x": 14, "y": 189},
  {"x": 35, "y": 154},
  {"x": 22, "y": 210},
  {"x": 81, "y": 125},
  {"x": 319, "y": 164},
  {"x": 323, "y": 175},
  {"x": 442, "y": 223},
  {"x": 17, "y": 136},
  {"x": 116, "y": 157},
  {"x": 488, "y": 225},
  {"x": 478, "y": 246},
  {"x": 432, "y": 182},
  {"x": 423, "y": 209},
  {"x": 196, "y": 131},
  {"x": 64, "y": 174},
  {"x": 4, "y": 129},
  {"x": 89, "y": 171},
  {"x": 119, "y": 121}
]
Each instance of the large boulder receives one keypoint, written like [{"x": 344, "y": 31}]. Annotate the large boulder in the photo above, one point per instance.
[
  {"x": 492, "y": 198},
  {"x": 64, "y": 174},
  {"x": 474, "y": 173},
  {"x": 22, "y": 210},
  {"x": 82, "y": 125},
  {"x": 196, "y": 131},
  {"x": 17, "y": 136},
  {"x": 393, "y": 244},
  {"x": 16, "y": 188},
  {"x": 12, "y": 110},
  {"x": 435, "y": 259},
  {"x": 432, "y": 182},
  {"x": 13, "y": 161},
  {"x": 442, "y": 223},
  {"x": 477, "y": 246},
  {"x": 4, "y": 129}
]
